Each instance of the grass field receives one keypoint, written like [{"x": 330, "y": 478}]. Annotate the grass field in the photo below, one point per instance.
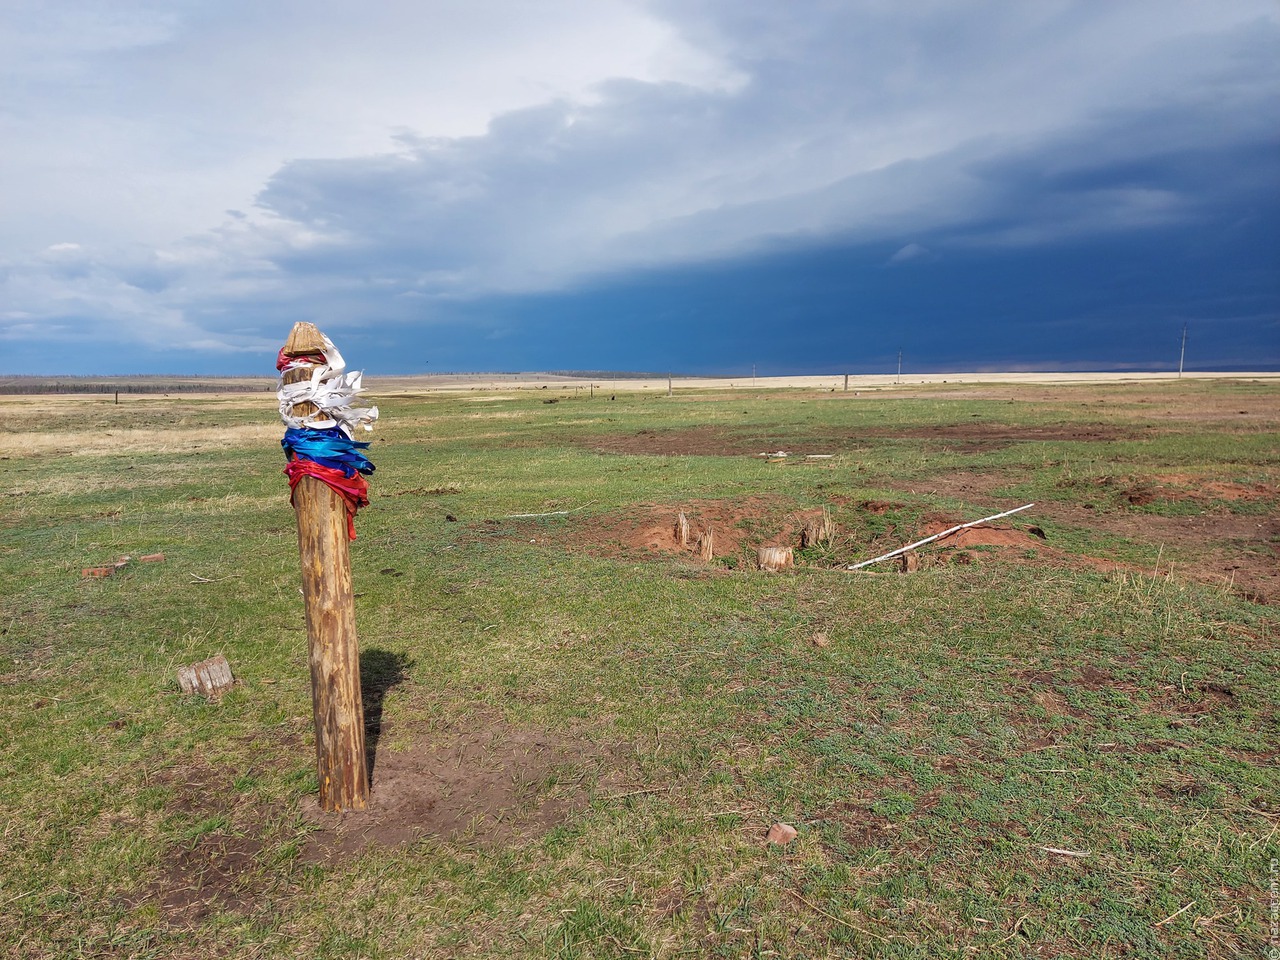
[{"x": 1058, "y": 742}]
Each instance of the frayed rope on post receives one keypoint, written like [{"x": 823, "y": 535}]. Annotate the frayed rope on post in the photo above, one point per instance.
[{"x": 319, "y": 444}]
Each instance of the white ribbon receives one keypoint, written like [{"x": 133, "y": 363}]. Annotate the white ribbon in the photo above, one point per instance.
[{"x": 330, "y": 389}]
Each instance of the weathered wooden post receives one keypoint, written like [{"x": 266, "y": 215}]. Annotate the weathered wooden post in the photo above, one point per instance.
[{"x": 326, "y": 467}]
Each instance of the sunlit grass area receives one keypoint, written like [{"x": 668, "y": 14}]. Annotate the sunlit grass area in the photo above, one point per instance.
[{"x": 1063, "y": 747}]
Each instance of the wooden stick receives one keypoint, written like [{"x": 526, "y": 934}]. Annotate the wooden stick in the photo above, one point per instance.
[
  {"x": 1175, "y": 914},
  {"x": 1065, "y": 853},
  {"x": 334, "y": 653}
]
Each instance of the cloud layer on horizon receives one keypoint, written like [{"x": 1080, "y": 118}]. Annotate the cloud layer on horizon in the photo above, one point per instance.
[{"x": 657, "y": 138}]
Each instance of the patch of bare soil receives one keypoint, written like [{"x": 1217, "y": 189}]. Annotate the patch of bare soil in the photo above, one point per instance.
[
  {"x": 221, "y": 869},
  {"x": 710, "y": 441},
  {"x": 649, "y": 529},
  {"x": 1174, "y": 488},
  {"x": 983, "y": 535},
  {"x": 1240, "y": 552},
  {"x": 487, "y": 784},
  {"x": 979, "y": 436},
  {"x": 701, "y": 442},
  {"x": 860, "y": 828},
  {"x": 1234, "y": 551}
]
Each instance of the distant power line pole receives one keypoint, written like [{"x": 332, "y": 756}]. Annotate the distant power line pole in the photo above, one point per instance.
[
  {"x": 899, "y": 366},
  {"x": 1183, "y": 355}
]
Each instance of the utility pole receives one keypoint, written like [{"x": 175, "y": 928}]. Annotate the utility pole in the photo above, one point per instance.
[
  {"x": 753, "y": 375},
  {"x": 899, "y": 365},
  {"x": 1183, "y": 355}
]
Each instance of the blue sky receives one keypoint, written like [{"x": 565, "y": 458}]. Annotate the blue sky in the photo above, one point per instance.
[{"x": 695, "y": 186}]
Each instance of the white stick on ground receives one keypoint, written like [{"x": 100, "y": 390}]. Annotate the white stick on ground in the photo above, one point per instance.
[{"x": 938, "y": 536}]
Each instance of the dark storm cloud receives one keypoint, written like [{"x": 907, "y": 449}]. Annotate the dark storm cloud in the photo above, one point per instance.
[{"x": 922, "y": 137}]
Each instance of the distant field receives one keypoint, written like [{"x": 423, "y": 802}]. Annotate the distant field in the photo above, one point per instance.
[
  {"x": 585, "y": 381},
  {"x": 1057, "y": 736}
]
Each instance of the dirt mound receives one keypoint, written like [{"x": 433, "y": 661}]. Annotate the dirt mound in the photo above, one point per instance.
[
  {"x": 738, "y": 526},
  {"x": 982, "y": 535},
  {"x": 1235, "y": 551}
]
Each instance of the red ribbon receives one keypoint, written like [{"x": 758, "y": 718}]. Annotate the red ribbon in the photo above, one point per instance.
[
  {"x": 315, "y": 359},
  {"x": 353, "y": 490}
]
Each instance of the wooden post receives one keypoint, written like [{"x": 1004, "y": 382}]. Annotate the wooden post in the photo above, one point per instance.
[{"x": 341, "y": 764}]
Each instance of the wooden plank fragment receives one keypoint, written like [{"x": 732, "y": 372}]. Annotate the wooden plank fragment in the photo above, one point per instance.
[{"x": 209, "y": 678}]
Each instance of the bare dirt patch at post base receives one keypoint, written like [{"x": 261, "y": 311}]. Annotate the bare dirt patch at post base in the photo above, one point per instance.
[{"x": 486, "y": 785}]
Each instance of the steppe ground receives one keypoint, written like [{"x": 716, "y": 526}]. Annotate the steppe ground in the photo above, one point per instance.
[{"x": 1056, "y": 735}]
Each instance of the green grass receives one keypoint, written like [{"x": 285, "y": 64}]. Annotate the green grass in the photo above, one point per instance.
[{"x": 954, "y": 724}]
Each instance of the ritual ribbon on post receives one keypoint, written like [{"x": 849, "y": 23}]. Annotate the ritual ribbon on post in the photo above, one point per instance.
[{"x": 317, "y": 404}]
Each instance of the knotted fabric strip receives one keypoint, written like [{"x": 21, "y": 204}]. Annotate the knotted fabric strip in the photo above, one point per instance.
[
  {"x": 330, "y": 448},
  {"x": 354, "y": 490},
  {"x": 320, "y": 444},
  {"x": 329, "y": 388}
]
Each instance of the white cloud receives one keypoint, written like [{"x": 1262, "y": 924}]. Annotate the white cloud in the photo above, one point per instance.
[
  {"x": 403, "y": 153},
  {"x": 137, "y": 121},
  {"x": 912, "y": 251}
]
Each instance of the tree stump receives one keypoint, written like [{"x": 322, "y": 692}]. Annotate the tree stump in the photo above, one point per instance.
[
  {"x": 910, "y": 562},
  {"x": 681, "y": 531},
  {"x": 706, "y": 545},
  {"x": 774, "y": 558},
  {"x": 818, "y": 530}
]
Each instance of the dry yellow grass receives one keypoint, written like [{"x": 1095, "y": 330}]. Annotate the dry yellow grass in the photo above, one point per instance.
[{"x": 113, "y": 442}]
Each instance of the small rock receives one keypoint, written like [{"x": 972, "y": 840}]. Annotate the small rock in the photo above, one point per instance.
[
  {"x": 820, "y": 640},
  {"x": 152, "y": 558},
  {"x": 781, "y": 834}
]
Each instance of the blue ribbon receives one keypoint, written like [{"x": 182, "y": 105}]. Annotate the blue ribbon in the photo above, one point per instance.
[{"x": 329, "y": 448}]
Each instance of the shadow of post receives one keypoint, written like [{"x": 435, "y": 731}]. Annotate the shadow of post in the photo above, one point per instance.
[{"x": 380, "y": 670}]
